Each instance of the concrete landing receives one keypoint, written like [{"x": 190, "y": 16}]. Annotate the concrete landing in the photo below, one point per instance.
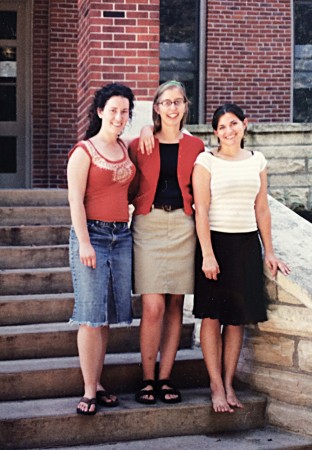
[{"x": 260, "y": 439}]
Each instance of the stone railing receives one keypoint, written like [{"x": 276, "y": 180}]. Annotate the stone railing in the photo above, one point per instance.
[
  {"x": 277, "y": 355},
  {"x": 288, "y": 149},
  {"x": 276, "y": 358}
]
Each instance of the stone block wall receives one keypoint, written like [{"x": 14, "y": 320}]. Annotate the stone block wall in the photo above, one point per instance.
[
  {"x": 288, "y": 149},
  {"x": 276, "y": 359}
]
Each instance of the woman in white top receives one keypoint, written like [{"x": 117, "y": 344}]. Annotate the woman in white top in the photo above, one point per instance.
[{"x": 232, "y": 212}]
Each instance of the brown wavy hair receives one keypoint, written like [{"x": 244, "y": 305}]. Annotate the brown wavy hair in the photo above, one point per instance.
[{"x": 159, "y": 92}]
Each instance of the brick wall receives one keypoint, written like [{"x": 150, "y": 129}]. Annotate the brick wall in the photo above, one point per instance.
[
  {"x": 40, "y": 94},
  {"x": 79, "y": 46},
  {"x": 54, "y": 90},
  {"x": 122, "y": 38},
  {"x": 249, "y": 57}
]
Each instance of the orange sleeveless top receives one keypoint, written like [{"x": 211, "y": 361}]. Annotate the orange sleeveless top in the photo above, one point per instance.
[{"x": 106, "y": 196}]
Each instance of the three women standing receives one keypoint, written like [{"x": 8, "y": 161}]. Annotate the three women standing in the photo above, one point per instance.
[{"x": 231, "y": 209}]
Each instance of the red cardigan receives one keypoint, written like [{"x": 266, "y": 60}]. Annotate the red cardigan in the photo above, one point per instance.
[{"x": 143, "y": 187}]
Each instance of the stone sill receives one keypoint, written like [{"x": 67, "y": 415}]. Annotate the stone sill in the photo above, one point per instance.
[{"x": 255, "y": 128}]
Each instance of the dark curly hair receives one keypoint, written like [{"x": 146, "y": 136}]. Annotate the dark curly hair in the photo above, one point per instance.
[
  {"x": 99, "y": 101},
  {"x": 227, "y": 108}
]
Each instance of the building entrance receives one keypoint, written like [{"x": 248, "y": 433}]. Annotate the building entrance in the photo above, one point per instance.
[{"x": 15, "y": 148}]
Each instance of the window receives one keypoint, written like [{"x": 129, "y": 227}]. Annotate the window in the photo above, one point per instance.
[
  {"x": 302, "y": 61},
  {"x": 179, "y": 47},
  {"x": 8, "y": 31}
]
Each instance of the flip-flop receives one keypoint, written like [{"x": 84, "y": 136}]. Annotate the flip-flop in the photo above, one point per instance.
[
  {"x": 89, "y": 402},
  {"x": 104, "y": 398}
]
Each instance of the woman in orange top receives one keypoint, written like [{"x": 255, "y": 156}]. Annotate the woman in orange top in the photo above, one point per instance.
[{"x": 99, "y": 174}]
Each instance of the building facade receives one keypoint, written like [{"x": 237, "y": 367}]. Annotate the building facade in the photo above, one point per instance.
[{"x": 55, "y": 54}]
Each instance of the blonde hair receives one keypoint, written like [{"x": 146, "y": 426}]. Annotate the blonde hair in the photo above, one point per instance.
[{"x": 159, "y": 92}]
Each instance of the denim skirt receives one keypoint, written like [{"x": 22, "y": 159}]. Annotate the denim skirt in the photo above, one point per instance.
[{"x": 103, "y": 295}]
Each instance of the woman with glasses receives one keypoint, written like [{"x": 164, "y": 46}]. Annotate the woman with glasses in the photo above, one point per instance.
[{"x": 164, "y": 238}]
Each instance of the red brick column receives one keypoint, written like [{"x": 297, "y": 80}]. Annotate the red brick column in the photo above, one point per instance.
[
  {"x": 40, "y": 94},
  {"x": 118, "y": 42},
  {"x": 62, "y": 87},
  {"x": 54, "y": 89}
]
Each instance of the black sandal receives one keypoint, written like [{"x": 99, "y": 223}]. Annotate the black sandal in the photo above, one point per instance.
[
  {"x": 142, "y": 392},
  {"x": 89, "y": 402},
  {"x": 104, "y": 398},
  {"x": 170, "y": 390}
]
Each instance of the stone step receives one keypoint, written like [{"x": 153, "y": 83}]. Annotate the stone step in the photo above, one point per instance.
[
  {"x": 266, "y": 438},
  {"x": 34, "y": 235},
  {"x": 33, "y": 197},
  {"x": 32, "y": 257},
  {"x": 54, "y": 422},
  {"x": 50, "y": 340},
  {"x": 61, "y": 377},
  {"x": 31, "y": 309},
  {"x": 35, "y": 281},
  {"x": 44, "y": 308},
  {"x": 34, "y": 215}
]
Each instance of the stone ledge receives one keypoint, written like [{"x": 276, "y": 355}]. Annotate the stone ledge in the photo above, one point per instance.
[
  {"x": 269, "y": 349},
  {"x": 260, "y": 128},
  {"x": 292, "y": 240},
  {"x": 289, "y": 320},
  {"x": 280, "y": 384},
  {"x": 293, "y": 418}
]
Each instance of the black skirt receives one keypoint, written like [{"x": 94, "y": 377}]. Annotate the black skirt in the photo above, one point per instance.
[{"x": 237, "y": 297}]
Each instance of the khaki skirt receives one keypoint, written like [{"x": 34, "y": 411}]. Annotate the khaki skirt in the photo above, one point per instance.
[{"x": 164, "y": 252}]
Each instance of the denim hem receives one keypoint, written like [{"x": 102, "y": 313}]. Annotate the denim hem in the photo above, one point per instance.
[
  {"x": 120, "y": 324},
  {"x": 96, "y": 325}
]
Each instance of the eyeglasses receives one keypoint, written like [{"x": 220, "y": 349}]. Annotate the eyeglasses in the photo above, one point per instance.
[{"x": 167, "y": 103}]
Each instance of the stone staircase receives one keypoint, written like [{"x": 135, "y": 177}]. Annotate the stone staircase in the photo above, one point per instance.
[{"x": 40, "y": 379}]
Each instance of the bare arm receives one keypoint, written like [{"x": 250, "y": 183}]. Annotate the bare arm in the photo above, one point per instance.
[
  {"x": 201, "y": 187},
  {"x": 77, "y": 175},
  {"x": 146, "y": 142},
  {"x": 263, "y": 217}
]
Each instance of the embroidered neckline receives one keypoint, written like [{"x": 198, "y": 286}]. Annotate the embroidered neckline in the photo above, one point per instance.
[
  {"x": 110, "y": 161},
  {"x": 121, "y": 169}
]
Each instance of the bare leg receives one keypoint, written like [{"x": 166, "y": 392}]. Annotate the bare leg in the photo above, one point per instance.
[
  {"x": 91, "y": 346},
  {"x": 102, "y": 351},
  {"x": 232, "y": 344},
  {"x": 153, "y": 308},
  {"x": 211, "y": 344},
  {"x": 170, "y": 338}
]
